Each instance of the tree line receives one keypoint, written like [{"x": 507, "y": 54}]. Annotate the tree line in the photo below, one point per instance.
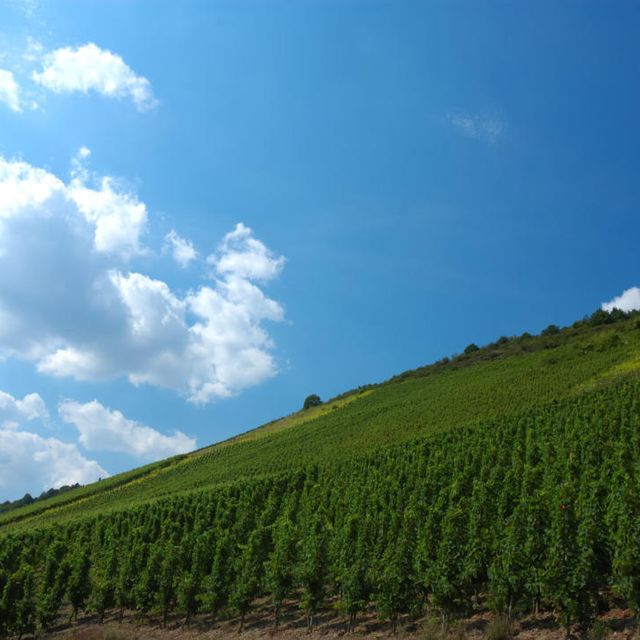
[{"x": 27, "y": 498}]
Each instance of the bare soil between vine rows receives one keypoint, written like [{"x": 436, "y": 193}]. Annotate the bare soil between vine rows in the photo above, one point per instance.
[{"x": 616, "y": 624}]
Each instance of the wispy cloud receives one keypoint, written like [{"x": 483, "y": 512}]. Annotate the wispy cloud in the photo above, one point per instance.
[
  {"x": 9, "y": 90},
  {"x": 28, "y": 7},
  {"x": 488, "y": 128},
  {"x": 182, "y": 250}
]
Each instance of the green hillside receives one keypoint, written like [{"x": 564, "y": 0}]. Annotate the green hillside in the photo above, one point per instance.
[
  {"x": 500, "y": 379},
  {"x": 504, "y": 477}
]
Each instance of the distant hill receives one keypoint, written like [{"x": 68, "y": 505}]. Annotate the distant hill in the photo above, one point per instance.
[{"x": 503, "y": 477}]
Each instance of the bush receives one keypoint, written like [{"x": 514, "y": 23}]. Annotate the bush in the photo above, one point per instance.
[{"x": 471, "y": 348}]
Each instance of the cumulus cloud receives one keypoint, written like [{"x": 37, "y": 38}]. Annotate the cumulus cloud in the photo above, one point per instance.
[
  {"x": 90, "y": 68},
  {"x": 14, "y": 411},
  {"x": 102, "y": 429},
  {"x": 116, "y": 218},
  {"x": 479, "y": 127},
  {"x": 29, "y": 462},
  {"x": 119, "y": 218},
  {"x": 9, "y": 90},
  {"x": 182, "y": 250},
  {"x": 628, "y": 300},
  {"x": 242, "y": 256},
  {"x": 70, "y": 303}
]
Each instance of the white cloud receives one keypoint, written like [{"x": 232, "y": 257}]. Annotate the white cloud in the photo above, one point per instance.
[
  {"x": 182, "y": 250},
  {"x": 9, "y": 90},
  {"x": 90, "y": 68},
  {"x": 479, "y": 127},
  {"x": 242, "y": 256},
  {"x": 117, "y": 219},
  {"x": 14, "y": 411},
  {"x": 103, "y": 429},
  {"x": 31, "y": 463},
  {"x": 69, "y": 303},
  {"x": 628, "y": 300}
]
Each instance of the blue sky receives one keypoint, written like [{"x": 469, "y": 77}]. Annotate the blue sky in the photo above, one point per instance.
[{"x": 209, "y": 210}]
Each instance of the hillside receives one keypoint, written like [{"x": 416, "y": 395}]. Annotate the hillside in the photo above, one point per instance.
[
  {"x": 500, "y": 379},
  {"x": 505, "y": 478}
]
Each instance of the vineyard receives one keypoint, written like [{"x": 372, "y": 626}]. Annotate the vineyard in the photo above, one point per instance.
[{"x": 506, "y": 478}]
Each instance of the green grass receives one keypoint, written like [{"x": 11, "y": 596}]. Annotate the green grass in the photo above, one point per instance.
[{"x": 501, "y": 379}]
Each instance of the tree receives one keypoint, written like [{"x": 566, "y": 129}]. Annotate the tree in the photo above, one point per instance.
[
  {"x": 470, "y": 348},
  {"x": 312, "y": 401},
  {"x": 551, "y": 330}
]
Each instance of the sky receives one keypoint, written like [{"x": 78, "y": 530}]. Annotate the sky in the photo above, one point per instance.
[{"x": 210, "y": 210}]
